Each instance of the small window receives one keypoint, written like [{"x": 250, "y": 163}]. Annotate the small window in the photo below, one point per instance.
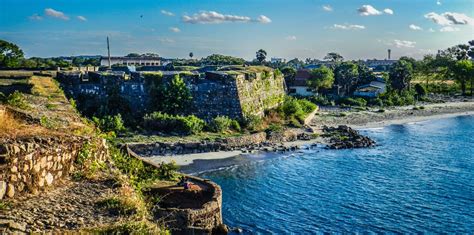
[{"x": 292, "y": 90}]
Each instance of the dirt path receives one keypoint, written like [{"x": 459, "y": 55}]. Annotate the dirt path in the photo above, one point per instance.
[{"x": 65, "y": 208}]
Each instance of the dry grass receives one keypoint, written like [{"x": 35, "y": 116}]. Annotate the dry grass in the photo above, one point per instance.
[
  {"x": 15, "y": 73},
  {"x": 12, "y": 128}
]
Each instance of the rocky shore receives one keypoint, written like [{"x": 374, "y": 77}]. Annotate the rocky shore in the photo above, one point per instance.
[{"x": 344, "y": 137}]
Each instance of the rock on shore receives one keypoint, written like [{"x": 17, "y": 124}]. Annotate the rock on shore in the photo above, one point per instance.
[{"x": 344, "y": 137}]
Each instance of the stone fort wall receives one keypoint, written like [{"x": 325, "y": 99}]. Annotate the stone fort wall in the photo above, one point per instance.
[
  {"x": 235, "y": 95},
  {"x": 36, "y": 164}
]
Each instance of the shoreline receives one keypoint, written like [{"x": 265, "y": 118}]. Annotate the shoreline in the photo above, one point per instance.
[{"x": 405, "y": 115}]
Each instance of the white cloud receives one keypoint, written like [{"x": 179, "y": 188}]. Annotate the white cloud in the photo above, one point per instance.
[
  {"x": 450, "y": 18},
  {"x": 212, "y": 17},
  {"x": 415, "y": 27},
  {"x": 348, "y": 26},
  {"x": 56, "y": 14},
  {"x": 81, "y": 18},
  {"x": 403, "y": 43},
  {"x": 438, "y": 3},
  {"x": 327, "y": 8},
  {"x": 167, "y": 13},
  {"x": 263, "y": 19},
  {"x": 35, "y": 17},
  {"x": 388, "y": 11},
  {"x": 368, "y": 10},
  {"x": 449, "y": 29},
  {"x": 431, "y": 30},
  {"x": 291, "y": 38},
  {"x": 175, "y": 29}
]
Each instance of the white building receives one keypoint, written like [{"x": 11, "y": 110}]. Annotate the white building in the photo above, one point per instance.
[
  {"x": 137, "y": 61},
  {"x": 299, "y": 87}
]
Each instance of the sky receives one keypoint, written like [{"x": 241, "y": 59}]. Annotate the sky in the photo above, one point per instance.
[{"x": 284, "y": 28}]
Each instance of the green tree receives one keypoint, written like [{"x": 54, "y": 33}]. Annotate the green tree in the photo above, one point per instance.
[
  {"x": 321, "y": 78},
  {"x": 289, "y": 73},
  {"x": 365, "y": 75},
  {"x": 10, "y": 55},
  {"x": 216, "y": 59},
  {"x": 346, "y": 77},
  {"x": 401, "y": 74},
  {"x": 463, "y": 72},
  {"x": 191, "y": 55},
  {"x": 177, "y": 96},
  {"x": 261, "y": 55},
  {"x": 334, "y": 57}
]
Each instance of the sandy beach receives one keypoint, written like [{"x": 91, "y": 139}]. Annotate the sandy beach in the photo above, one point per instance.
[{"x": 355, "y": 119}]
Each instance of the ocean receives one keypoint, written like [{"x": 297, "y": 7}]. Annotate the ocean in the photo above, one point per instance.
[{"x": 418, "y": 179}]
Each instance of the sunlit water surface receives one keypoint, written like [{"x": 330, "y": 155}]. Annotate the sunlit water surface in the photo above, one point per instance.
[{"x": 420, "y": 178}]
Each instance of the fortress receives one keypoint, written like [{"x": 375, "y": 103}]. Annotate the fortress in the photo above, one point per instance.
[{"x": 233, "y": 91}]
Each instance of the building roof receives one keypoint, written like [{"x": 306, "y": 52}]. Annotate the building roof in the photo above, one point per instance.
[{"x": 302, "y": 75}]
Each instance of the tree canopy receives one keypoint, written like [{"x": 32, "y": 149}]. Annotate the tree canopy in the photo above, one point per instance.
[
  {"x": 334, "y": 57},
  {"x": 401, "y": 74},
  {"x": 10, "y": 55},
  {"x": 261, "y": 55},
  {"x": 216, "y": 59},
  {"x": 346, "y": 77},
  {"x": 321, "y": 78}
]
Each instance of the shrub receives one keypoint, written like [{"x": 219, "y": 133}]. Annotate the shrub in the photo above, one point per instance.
[
  {"x": 158, "y": 121},
  {"x": 110, "y": 123},
  {"x": 307, "y": 106},
  {"x": 420, "y": 90},
  {"x": 235, "y": 125},
  {"x": 291, "y": 106},
  {"x": 220, "y": 124},
  {"x": 274, "y": 128},
  {"x": 353, "y": 102},
  {"x": 253, "y": 122},
  {"x": 321, "y": 100},
  {"x": 17, "y": 99}
]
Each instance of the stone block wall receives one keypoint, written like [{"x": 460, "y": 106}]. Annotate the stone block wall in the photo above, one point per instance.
[
  {"x": 205, "y": 219},
  {"x": 265, "y": 91},
  {"x": 35, "y": 164}
]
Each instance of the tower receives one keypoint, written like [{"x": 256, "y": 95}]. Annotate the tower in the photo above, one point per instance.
[
  {"x": 389, "y": 53},
  {"x": 108, "y": 52}
]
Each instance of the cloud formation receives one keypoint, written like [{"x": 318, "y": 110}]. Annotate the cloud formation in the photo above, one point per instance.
[
  {"x": 167, "y": 13},
  {"x": 175, "y": 29},
  {"x": 348, "y": 26},
  {"x": 327, "y": 8},
  {"x": 35, "y": 17},
  {"x": 291, "y": 38},
  {"x": 415, "y": 27},
  {"x": 55, "y": 14},
  {"x": 388, "y": 11},
  {"x": 450, "y": 18},
  {"x": 403, "y": 43},
  {"x": 438, "y": 3},
  {"x": 212, "y": 17},
  {"x": 263, "y": 19},
  {"x": 449, "y": 29},
  {"x": 369, "y": 10},
  {"x": 81, "y": 18}
]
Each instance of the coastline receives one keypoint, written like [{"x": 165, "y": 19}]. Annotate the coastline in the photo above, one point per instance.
[{"x": 356, "y": 120}]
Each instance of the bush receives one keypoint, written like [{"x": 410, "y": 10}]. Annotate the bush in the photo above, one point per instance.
[
  {"x": 353, "y": 102},
  {"x": 110, "y": 123},
  {"x": 307, "y": 106},
  {"x": 220, "y": 124},
  {"x": 17, "y": 99},
  {"x": 235, "y": 125},
  {"x": 420, "y": 90},
  {"x": 253, "y": 123},
  {"x": 321, "y": 100},
  {"x": 158, "y": 121}
]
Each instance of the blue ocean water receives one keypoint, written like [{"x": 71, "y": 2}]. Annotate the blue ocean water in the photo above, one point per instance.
[{"x": 419, "y": 179}]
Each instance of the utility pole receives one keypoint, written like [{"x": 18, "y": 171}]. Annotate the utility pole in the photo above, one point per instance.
[{"x": 108, "y": 51}]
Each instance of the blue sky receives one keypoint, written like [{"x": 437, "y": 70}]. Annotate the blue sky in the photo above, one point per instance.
[{"x": 284, "y": 28}]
